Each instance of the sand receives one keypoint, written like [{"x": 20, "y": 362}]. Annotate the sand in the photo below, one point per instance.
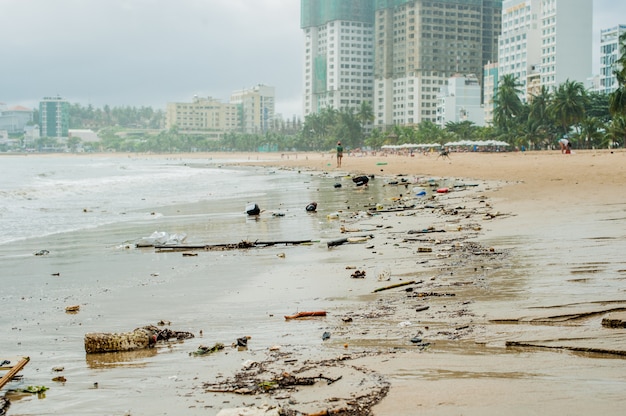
[
  {"x": 516, "y": 287},
  {"x": 526, "y": 336}
]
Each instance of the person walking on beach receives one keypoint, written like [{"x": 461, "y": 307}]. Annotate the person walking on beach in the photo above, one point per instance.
[{"x": 339, "y": 154}]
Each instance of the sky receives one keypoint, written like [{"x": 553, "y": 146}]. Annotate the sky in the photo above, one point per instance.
[{"x": 151, "y": 52}]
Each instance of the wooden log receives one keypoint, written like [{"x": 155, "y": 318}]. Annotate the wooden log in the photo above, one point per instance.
[
  {"x": 343, "y": 240},
  {"x": 13, "y": 371},
  {"x": 228, "y": 246},
  {"x": 380, "y": 289},
  {"x": 305, "y": 314},
  {"x": 124, "y": 341}
]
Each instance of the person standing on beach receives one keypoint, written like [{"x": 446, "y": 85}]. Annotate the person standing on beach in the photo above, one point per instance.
[{"x": 339, "y": 154}]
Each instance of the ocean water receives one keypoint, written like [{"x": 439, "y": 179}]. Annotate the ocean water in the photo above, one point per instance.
[{"x": 68, "y": 228}]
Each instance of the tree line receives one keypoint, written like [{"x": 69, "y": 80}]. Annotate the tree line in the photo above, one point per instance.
[{"x": 588, "y": 119}]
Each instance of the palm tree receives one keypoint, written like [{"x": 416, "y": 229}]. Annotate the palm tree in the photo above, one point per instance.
[
  {"x": 617, "y": 132},
  {"x": 365, "y": 115},
  {"x": 509, "y": 106},
  {"x": 617, "y": 99},
  {"x": 464, "y": 130},
  {"x": 591, "y": 132},
  {"x": 568, "y": 105}
]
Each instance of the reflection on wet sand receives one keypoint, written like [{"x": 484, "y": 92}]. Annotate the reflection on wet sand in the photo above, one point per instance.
[{"x": 120, "y": 359}]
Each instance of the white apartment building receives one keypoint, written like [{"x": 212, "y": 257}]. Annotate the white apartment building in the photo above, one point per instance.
[
  {"x": 566, "y": 41},
  {"x": 460, "y": 101},
  {"x": 609, "y": 55},
  {"x": 545, "y": 43},
  {"x": 256, "y": 108},
  {"x": 519, "y": 45},
  {"x": 338, "y": 65}
]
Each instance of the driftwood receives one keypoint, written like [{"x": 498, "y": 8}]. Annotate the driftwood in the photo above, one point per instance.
[
  {"x": 305, "y": 314},
  {"x": 380, "y": 289},
  {"x": 13, "y": 371},
  {"x": 340, "y": 241},
  {"x": 140, "y": 338},
  {"x": 228, "y": 246}
]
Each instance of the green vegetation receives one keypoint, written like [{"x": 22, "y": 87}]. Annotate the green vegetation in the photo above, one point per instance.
[{"x": 590, "y": 120}]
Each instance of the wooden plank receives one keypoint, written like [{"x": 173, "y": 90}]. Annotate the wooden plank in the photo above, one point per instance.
[{"x": 13, "y": 371}]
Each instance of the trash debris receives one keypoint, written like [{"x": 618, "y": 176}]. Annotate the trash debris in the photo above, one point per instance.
[
  {"x": 243, "y": 341},
  {"x": 42, "y": 253},
  {"x": 361, "y": 180},
  {"x": 305, "y": 314},
  {"x": 123, "y": 341},
  {"x": 33, "y": 389},
  {"x": 253, "y": 209},
  {"x": 140, "y": 338},
  {"x": 358, "y": 274},
  {"x": 72, "y": 309},
  {"x": 161, "y": 238},
  {"x": 312, "y": 207},
  {"x": 13, "y": 370},
  {"x": 244, "y": 244},
  {"x": 203, "y": 350},
  {"x": 326, "y": 335},
  {"x": 380, "y": 289}
]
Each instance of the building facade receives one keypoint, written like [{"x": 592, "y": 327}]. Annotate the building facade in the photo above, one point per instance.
[
  {"x": 519, "y": 45},
  {"x": 490, "y": 85},
  {"x": 460, "y": 101},
  {"x": 14, "y": 119},
  {"x": 609, "y": 55},
  {"x": 566, "y": 41},
  {"x": 256, "y": 108},
  {"x": 419, "y": 44},
  {"x": 54, "y": 117},
  {"x": 338, "y": 59},
  {"x": 206, "y": 116}
]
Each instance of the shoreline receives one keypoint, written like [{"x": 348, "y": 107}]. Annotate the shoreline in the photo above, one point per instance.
[{"x": 532, "y": 242}]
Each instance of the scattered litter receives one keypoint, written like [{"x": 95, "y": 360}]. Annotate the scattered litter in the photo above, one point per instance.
[
  {"x": 305, "y": 314},
  {"x": 161, "y": 238},
  {"x": 203, "y": 350},
  {"x": 358, "y": 274}
]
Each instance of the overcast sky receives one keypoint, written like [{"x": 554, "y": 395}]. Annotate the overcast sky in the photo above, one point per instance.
[{"x": 151, "y": 52}]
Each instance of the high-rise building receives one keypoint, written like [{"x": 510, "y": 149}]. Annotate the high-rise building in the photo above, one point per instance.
[
  {"x": 338, "y": 59},
  {"x": 419, "y": 44},
  {"x": 490, "y": 84},
  {"x": 459, "y": 101},
  {"x": 609, "y": 55},
  {"x": 54, "y": 117},
  {"x": 566, "y": 36},
  {"x": 256, "y": 108},
  {"x": 519, "y": 45},
  {"x": 545, "y": 43}
]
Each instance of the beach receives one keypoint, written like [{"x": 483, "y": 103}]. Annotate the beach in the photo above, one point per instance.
[
  {"x": 564, "y": 274},
  {"x": 501, "y": 286}
]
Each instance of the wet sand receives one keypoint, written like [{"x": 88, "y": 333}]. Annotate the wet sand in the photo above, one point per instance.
[
  {"x": 524, "y": 333},
  {"x": 515, "y": 290}
]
